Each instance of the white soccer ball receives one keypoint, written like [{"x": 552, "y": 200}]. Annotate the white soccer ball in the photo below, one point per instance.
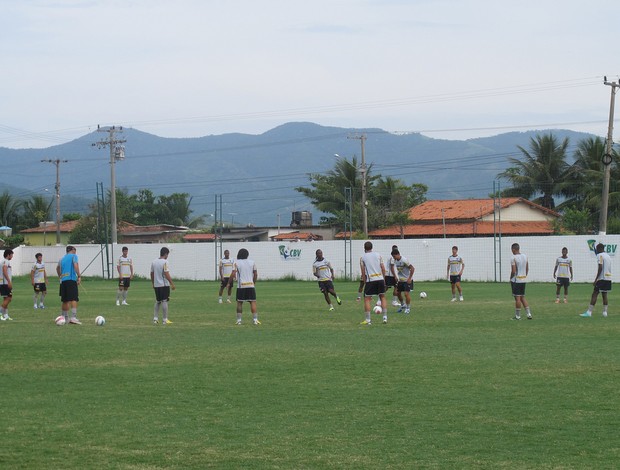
[
  {"x": 99, "y": 321},
  {"x": 378, "y": 310},
  {"x": 423, "y": 295},
  {"x": 60, "y": 320}
]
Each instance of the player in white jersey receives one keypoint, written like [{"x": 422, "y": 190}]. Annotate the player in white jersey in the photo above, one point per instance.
[
  {"x": 519, "y": 269},
  {"x": 246, "y": 275},
  {"x": 38, "y": 279},
  {"x": 403, "y": 271},
  {"x": 125, "y": 275},
  {"x": 454, "y": 272},
  {"x": 323, "y": 271},
  {"x": 162, "y": 283},
  {"x": 391, "y": 280},
  {"x": 6, "y": 284},
  {"x": 602, "y": 282},
  {"x": 226, "y": 268},
  {"x": 373, "y": 272},
  {"x": 563, "y": 274}
]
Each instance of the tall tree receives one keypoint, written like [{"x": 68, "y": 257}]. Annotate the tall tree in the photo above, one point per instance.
[
  {"x": 9, "y": 210},
  {"x": 543, "y": 173},
  {"x": 36, "y": 210}
]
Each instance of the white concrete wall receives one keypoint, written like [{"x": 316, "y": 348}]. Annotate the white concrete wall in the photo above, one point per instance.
[{"x": 197, "y": 261}]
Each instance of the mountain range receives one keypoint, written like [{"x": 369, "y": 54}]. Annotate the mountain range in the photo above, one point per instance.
[{"x": 254, "y": 176}]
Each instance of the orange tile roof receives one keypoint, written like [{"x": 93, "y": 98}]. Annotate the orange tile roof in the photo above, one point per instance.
[
  {"x": 461, "y": 229},
  {"x": 296, "y": 236},
  {"x": 468, "y": 209},
  {"x": 199, "y": 237},
  {"x": 65, "y": 227}
]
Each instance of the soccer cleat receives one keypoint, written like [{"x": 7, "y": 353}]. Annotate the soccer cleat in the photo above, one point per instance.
[
  {"x": 565, "y": 301},
  {"x": 407, "y": 311},
  {"x": 529, "y": 316},
  {"x": 75, "y": 321},
  {"x": 461, "y": 298},
  {"x": 238, "y": 322},
  {"x": 124, "y": 303},
  {"x": 219, "y": 301},
  {"x": 400, "y": 309},
  {"x": 118, "y": 303},
  {"x": 585, "y": 314},
  {"x": 36, "y": 306},
  {"x": 256, "y": 322},
  {"x": 384, "y": 320},
  {"x": 605, "y": 314},
  {"x": 155, "y": 321},
  {"x": 41, "y": 306},
  {"x": 366, "y": 322},
  {"x": 395, "y": 303},
  {"x": 557, "y": 301},
  {"x": 338, "y": 300},
  {"x": 2, "y": 318},
  {"x": 166, "y": 322},
  {"x": 453, "y": 299},
  {"x": 331, "y": 308},
  {"x": 516, "y": 318},
  {"x": 227, "y": 301}
]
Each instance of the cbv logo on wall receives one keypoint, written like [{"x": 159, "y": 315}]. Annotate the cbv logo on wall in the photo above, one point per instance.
[
  {"x": 610, "y": 248},
  {"x": 289, "y": 254}
]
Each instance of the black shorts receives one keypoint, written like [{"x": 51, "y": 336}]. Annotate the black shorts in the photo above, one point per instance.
[
  {"x": 404, "y": 286},
  {"x": 562, "y": 281},
  {"x": 326, "y": 286},
  {"x": 225, "y": 281},
  {"x": 390, "y": 281},
  {"x": 162, "y": 294},
  {"x": 246, "y": 294},
  {"x": 455, "y": 279},
  {"x": 518, "y": 288},
  {"x": 5, "y": 291},
  {"x": 40, "y": 287},
  {"x": 69, "y": 291},
  {"x": 602, "y": 285},
  {"x": 374, "y": 288},
  {"x": 124, "y": 282}
]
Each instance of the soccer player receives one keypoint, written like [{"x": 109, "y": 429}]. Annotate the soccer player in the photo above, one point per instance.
[
  {"x": 162, "y": 283},
  {"x": 403, "y": 270},
  {"x": 564, "y": 270},
  {"x": 68, "y": 270},
  {"x": 125, "y": 275},
  {"x": 454, "y": 272},
  {"x": 373, "y": 272},
  {"x": 38, "y": 279},
  {"x": 246, "y": 274},
  {"x": 519, "y": 269},
  {"x": 602, "y": 282},
  {"x": 391, "y": 280},
  {"x": 226, "y": 269},
  {"x": 322, "y": 269},
  {"x": 6, "y": 284}
]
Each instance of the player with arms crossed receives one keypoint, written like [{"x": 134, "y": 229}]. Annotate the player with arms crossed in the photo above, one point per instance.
[
  {"x": 602, "y": 282},
  {"x": 38, "y": 279},
  {"x": 373, "y": 272},
  {"x": 322, "y": 269},
  {"x": 519, "y": 269},
  {"x": 125, "y": 275},
  {"x": 226, "y": 269},
  {"x": 564, "y": 270},
  {"x": 246, "y": 275},
  {"x": 454, "y": 272}
]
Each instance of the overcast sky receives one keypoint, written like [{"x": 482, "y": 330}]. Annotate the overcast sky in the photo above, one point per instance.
[{"x": 186, "y": 68}]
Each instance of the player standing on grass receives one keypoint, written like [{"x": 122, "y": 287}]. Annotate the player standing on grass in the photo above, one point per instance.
[
  {"x": 38, "y": 279},
  {"x": 373, "y": 272},
  {"x": 125, "y": 275},
  {"x": 519, "y": 269},
  {"x": 454, "y": 272},
  {"x": 226, "y": 268},
  {"x": 162, "y": 283},
  {"x": 602, "y": 282},
  {"x": 322, "y": 269},
  {"x": 68, "y": 270},
  {"x": 403, "y": 270},
  {"x": 391, "y": 280},
  {"x": 246, "y": 274},
  {"x": 6, "y": 284},
  {"x": 564, "y": 270}
]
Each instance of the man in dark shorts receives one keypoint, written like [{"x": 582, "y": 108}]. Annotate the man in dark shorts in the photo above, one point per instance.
[{"x": 68, "y": 270}]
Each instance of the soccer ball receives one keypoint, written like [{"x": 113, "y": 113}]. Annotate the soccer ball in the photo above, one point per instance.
[
  {"x": 99, "y": 321},
  {"x": 378, "y": 310},
  {"x": 423, "y": 295},
  {"x": 60, "y": 320}
]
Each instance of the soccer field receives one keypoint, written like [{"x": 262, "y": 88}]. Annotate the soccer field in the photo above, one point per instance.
[{"x": 453, "y": 385}]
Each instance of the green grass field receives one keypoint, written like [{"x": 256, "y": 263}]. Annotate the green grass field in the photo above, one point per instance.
[{"x": 453, "y": 385}]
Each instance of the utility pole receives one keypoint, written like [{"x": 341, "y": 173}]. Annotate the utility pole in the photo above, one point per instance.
[
  {"x": 117, "y": 152},
  {"x": 607, "y": 158},
  {"x": 57, "y": 162},
  {"x": 362, "y": 139}
]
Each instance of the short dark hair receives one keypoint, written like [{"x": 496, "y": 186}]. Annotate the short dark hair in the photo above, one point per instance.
[
  {"x": 70, "y": 248},
  {"x": 243, "y": 254},
  {"x": 600, "y": 248},
  {"x": 164, "y": 251},
  {"x": 395, "y": 252},
  {"x": 37, "y": 255},
  {"x": 8, "y": 252},
  {"x": 455, "y": 247},
  {"x": 367, "y": 246},
  {"x": 515, "y": 246},
  {"x": 125, "y": 248}
]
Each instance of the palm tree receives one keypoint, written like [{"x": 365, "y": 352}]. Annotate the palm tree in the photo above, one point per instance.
[
  {"x": 9, "y": 209},
  {"x": 544, "y": 173},
  {"x": 36, "y": 209}
]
